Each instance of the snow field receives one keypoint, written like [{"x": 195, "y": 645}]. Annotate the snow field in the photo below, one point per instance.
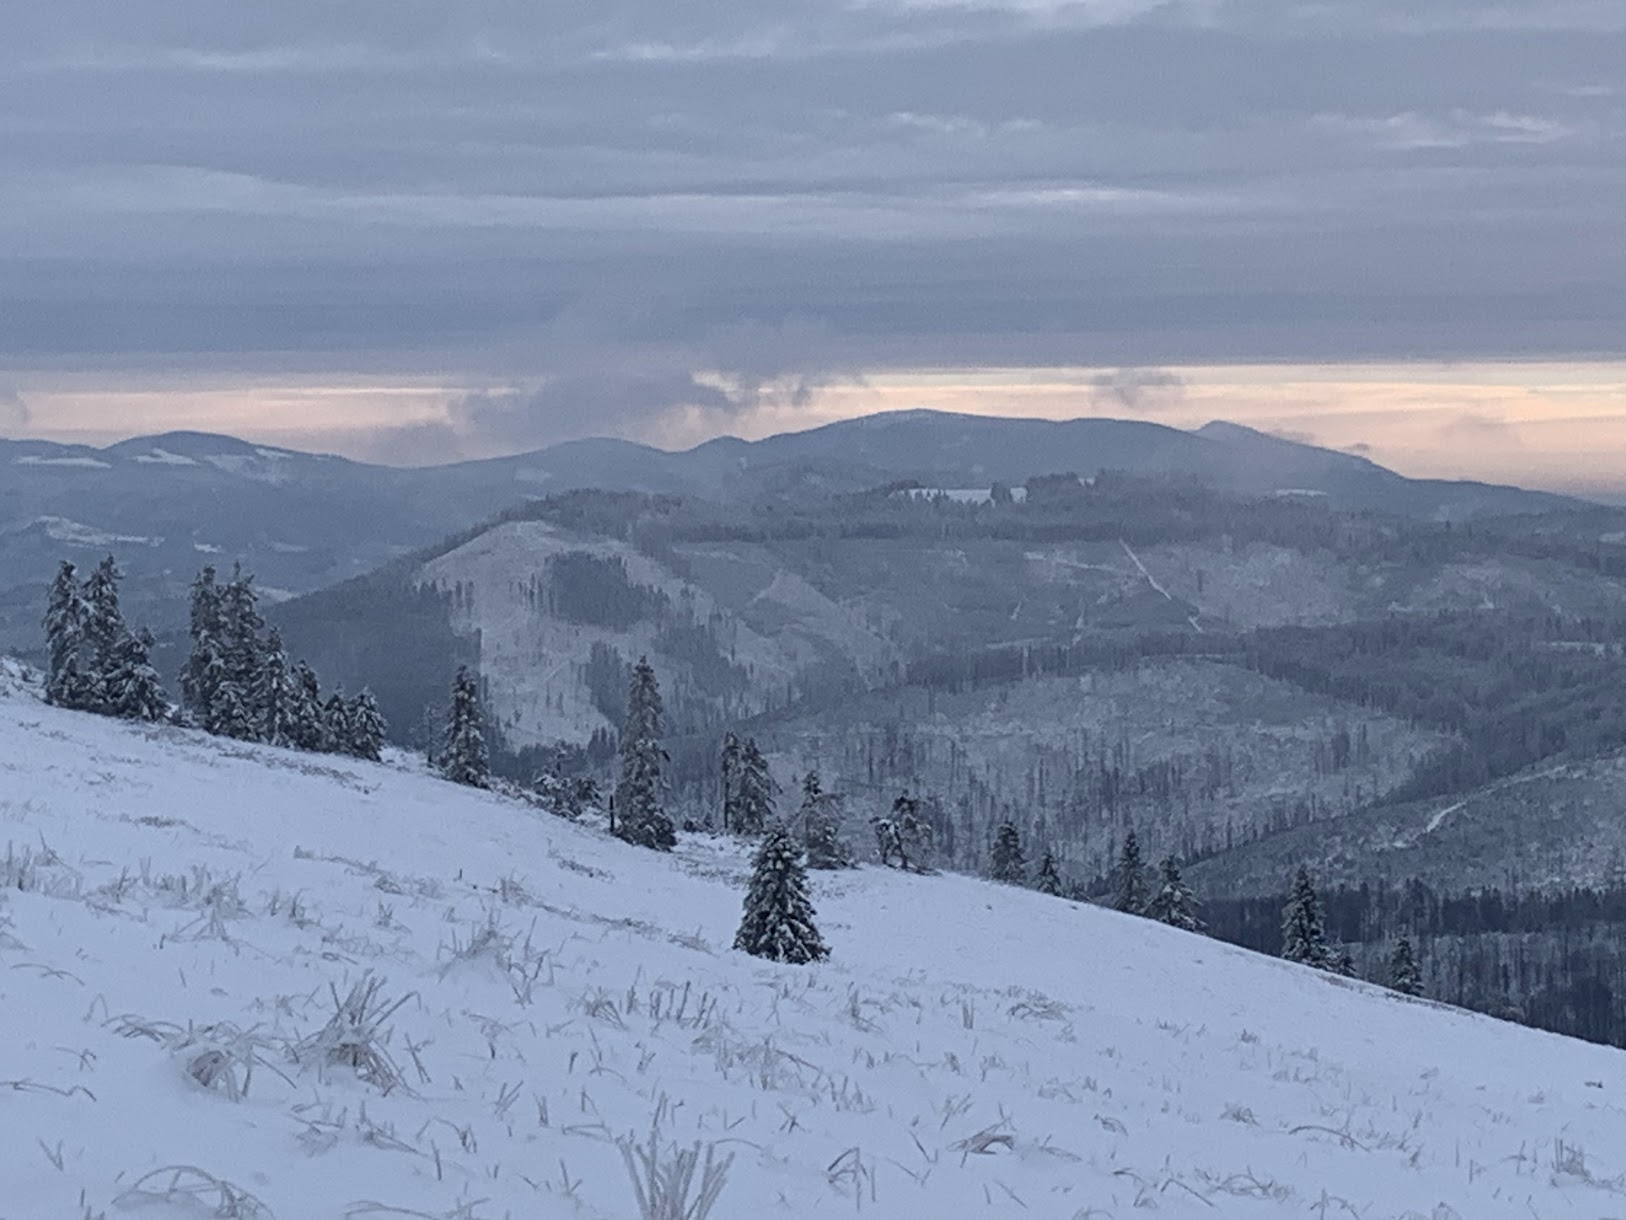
[{"x": 184, "y": 917}]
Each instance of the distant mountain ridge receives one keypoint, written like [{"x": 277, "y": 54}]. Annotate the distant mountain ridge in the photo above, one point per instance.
[{"x": 302, "y": 521}]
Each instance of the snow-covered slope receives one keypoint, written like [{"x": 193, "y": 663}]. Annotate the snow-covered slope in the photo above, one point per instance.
[{"x": 176, "y": 907}]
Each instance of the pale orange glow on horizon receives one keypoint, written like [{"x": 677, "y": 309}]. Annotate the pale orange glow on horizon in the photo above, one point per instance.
[{"x": 1550, "y": 424}]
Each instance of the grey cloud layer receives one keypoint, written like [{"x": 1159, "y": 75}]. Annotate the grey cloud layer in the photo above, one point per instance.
[{"x": 420, "y": 185}]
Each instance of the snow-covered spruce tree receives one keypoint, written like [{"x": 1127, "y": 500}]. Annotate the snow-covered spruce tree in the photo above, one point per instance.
[
  {"x": 104, "y": 633},
  {"x": 1129, "y": 888},
  {"x": 557, "y": 794},
  {"x": 205, "y": 667},
  {"x": 67, "y": 684},
  {"x": 1048, "y": 880},
  {"x": 1172, "y": 901},
  {"x": 754, "y": 809},
  {"x": 232, "y": 714},
  {"x": 1404, "y": 976},
  {"x": 778, "y": 923},
  {"x": 366, "y": 727},
  {"x": 463, "y": 758},
  {"x": 1005, "y": 862},
  {"x": 307, "y": 728},
  {"x": 133, "y": 689},
  {"x": 241, "y": 655},
  {"x": 639, "y": 817},
  {"x": 1304, "y": 934},
  {"x": 336, "y": 723},
  {"x": 274, "y": 695},
  {"x": 1342, "y": 962},
  {"x": 731, "y": 761},
  {"x": 821, "y": 826}
]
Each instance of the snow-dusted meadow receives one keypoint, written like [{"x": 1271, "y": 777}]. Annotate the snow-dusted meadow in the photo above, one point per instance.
[{"x": 181, "y": 916}]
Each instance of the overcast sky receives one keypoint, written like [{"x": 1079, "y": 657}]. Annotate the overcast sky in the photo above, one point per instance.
[{"x": 431, "y": 228}]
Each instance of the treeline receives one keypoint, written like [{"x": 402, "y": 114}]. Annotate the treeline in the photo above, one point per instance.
[
  {"x": 97, "y": 663},
  {"x": 236, "y": 681},
  {"x": 1554, "y": 959},
  {"x": 1498, "y": 683}
]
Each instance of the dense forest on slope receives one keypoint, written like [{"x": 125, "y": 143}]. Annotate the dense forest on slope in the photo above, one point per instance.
[{"x": 1552, "y": 958}]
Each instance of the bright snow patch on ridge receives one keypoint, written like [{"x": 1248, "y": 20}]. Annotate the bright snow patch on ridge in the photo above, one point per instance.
[
  {"x": 88, "y": 463},
  {"x": 971, "y": 1050},
  {"x": 77, "y": 533}
]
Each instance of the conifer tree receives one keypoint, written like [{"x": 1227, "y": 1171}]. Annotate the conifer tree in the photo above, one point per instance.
[
  {"x": 1172, "y": 901},
  {"x": 1404, "y": 975},
  {"x": 366, "y": 727},
  {"x": 905, "y": 834},
  {"x": 1342, "y": 963},
  {"x": 307, "y": 729},
  {"x": 133, "y": 688},
  {"x": 731, "y": 780},
  {"x": 241, "y": 655},
  {"x": 67, "y": 684},
  {"x": 205, "y": 666},
  {"x": 778, "y": 922},
  {"x": 274, "y": 695},
  {"x": 1005, "y": 862},
  {"x": 754, "y": 808},
  {"x": 821, "y": 826},
  {"x": 639, "y": 817},
  {"x": 336, "y": 724},
  {"x": 1304, "y": 936},
  {"x": 1049, "y": 879},
  {"x": 104, "y": 633},
  {"x": 1129, "y": 889},
  {"x": 232, "y": 713},
  {"x": 463, "y": 758}
]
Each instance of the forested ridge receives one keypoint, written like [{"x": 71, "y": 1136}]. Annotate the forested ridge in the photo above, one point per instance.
[{"x": 1442, "y": 658}]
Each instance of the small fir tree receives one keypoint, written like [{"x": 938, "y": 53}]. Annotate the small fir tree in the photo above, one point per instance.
[
  {"x": 778, "y": 922},
  {"x": 1049, "y": 879},
  {"x": 307, "y": 728},
  {"x": 463, "y": 758},
  {"x": 821, "y": 826},
  {"x": 1404, "y": 976},
  {"x": 274, "y": 695},
  {"x": 105, "y": 633},
  {"x": 242, "y": 652},
  {"x": 133, "y": 688},
  {"x": 639, "y": 817},
  {"x": 1342, "y": 963},
  {"x": 557, "y": 793},
  {"x": 731, "y": 780},
  {"x": 67, "y": 684},
  {"x": 231, "y": 714},
  {"x": 1129, "y": 888},
  {"x": 366, "y": 727},
  {"x": 1304, "y": 936},
  {"x": 205, "y": 666},
  {"x": 1173, "y": 902},
  {"x": 336, "y": 723},
  {"x": 1005, "y": 861},
  {"x": 754, "y": 808}
]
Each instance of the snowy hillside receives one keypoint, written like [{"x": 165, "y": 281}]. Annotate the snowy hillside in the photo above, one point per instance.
[
  {"x": 180, "y": 915},
  {"x": 535, "y": 664}
]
